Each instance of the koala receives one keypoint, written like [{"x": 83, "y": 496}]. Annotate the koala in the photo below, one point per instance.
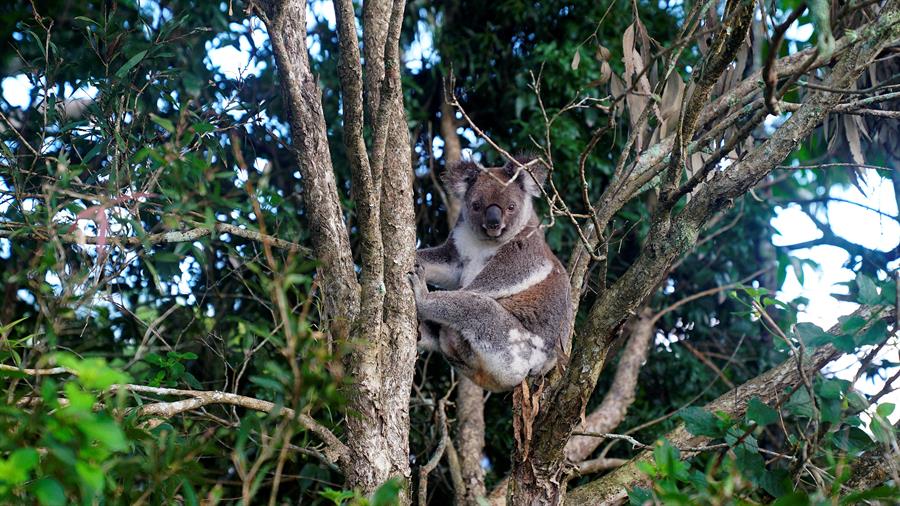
[{"x": 503, "y": 313}]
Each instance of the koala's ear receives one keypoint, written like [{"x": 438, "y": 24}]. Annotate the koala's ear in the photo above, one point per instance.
[
  {"x": 531, "y": 185},
  {"x": 459, "y": 176}
]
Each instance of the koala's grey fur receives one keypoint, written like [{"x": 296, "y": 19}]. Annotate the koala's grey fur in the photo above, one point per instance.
[{"x": 504, "y": 312}]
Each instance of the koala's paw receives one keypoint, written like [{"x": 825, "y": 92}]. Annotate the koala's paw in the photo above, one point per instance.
[{"x": 417, "y": 281}]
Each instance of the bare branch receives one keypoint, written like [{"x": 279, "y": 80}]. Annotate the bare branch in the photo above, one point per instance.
[
  {"x": 174, "y": 236},
  {"x": 438, "y": 452}
]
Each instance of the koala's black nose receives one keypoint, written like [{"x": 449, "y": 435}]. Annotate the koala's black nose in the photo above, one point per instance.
[{"x": 492, "y": 216}]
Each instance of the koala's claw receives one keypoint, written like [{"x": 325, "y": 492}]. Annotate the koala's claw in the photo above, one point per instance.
[{"x": 417, "y": 281}]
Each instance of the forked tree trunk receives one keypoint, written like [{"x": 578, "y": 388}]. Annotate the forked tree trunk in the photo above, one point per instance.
[{"x": 374, "y": 314}]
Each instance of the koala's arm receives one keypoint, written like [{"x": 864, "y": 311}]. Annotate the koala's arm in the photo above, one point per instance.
[
  {"x": 516, "y": 267},
  {"x": 441, "y": 265}
]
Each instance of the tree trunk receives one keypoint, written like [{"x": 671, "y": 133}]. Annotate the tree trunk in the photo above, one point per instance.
[{"x": 378, "y": 313}]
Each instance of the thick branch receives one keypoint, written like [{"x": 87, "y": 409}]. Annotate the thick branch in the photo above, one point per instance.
[
  {"x": 286, "y": 24},
  {"x": 611, "y": 411},
  {"x": 365, "y": 191}
]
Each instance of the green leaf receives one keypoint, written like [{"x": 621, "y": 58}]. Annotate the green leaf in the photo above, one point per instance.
[
  {"x": 388, "y": 494},
  {"x": 885, "y": 409},
  {"x": 105, "y": 431},
  {"x": 639, "y": 496},
  {"x": 853, "y": 324},
  {"x": 852, "y": 439},
  {"x": 134, "y": 60},
  {"x": 93, "y": 373},
  {"x": 203, "y": 128},
  {"x": 812, "y": 335},
  {"x": 844, "y": 342},
  {"x": 760, "y": 413},
  {"x": 166, "y": 124},
  {"x": 668, "y": 461},
  {"x": 881, "y": 428},
  {"x": 800, "y": 404},
  {"x": 94, "y": 151},
  {"x": 886, "y": 492},
  {"x": 337, "y": 497},
  {"x": 190, "y": 495},
  {"x": 91, "y": 475},
  {"x": 750, "y": 463},
  {"x": 792, "y": 499},
  {"x": 868, "y": 291},
  {"x": 833, "y": 388},
  {"x": 700, "y": 422},
  {"x": 86, "y": 20},
  {"x": 646, "y": 467},
  {"x": 875, "y": 334},
  {"x": 17, "y": 468},
  {"x": 776, "y": 482},
  {"x": 49, "y": 492}
]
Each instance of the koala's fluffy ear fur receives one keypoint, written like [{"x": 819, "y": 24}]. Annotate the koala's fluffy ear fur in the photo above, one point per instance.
[
  {"x": 531, "y": 185},
  {"x": 459, "y": 176}
]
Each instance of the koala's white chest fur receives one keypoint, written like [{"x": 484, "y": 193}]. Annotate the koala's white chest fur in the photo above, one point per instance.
[{"x": 474, "y": 253}]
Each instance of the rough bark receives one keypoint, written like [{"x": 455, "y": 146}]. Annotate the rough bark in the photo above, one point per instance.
[
  {"x": 539, "y": 477},
  {"x": 612, "y": 410},
  {"x": 873, "y": 468},
  {"x": 470, "y": 439},
  {"x": 378, "y": 314},
  {"x": 286, "y": 22},
  {"x": 768, "y": 387}
]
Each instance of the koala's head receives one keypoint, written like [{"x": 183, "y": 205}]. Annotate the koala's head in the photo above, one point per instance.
[{"x": 494, "y": 207}]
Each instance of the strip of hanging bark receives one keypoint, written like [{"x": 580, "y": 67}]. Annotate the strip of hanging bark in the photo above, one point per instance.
[
  {"x": 735, "y": 25},
  {"x": 624, "y": 185},
  {"x": 770, "y": 77}
]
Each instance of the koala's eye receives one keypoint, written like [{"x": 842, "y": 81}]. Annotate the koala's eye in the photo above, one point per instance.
[
  {"x": 476, "y": 206},
  {"x": 511, "y": 208}
]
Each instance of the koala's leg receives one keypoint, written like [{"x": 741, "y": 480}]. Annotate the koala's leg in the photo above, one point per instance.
[{"x": 494, "y": 346}]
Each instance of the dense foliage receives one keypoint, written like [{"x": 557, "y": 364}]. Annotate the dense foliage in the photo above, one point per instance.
[{"x": 153, "y": 242}]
